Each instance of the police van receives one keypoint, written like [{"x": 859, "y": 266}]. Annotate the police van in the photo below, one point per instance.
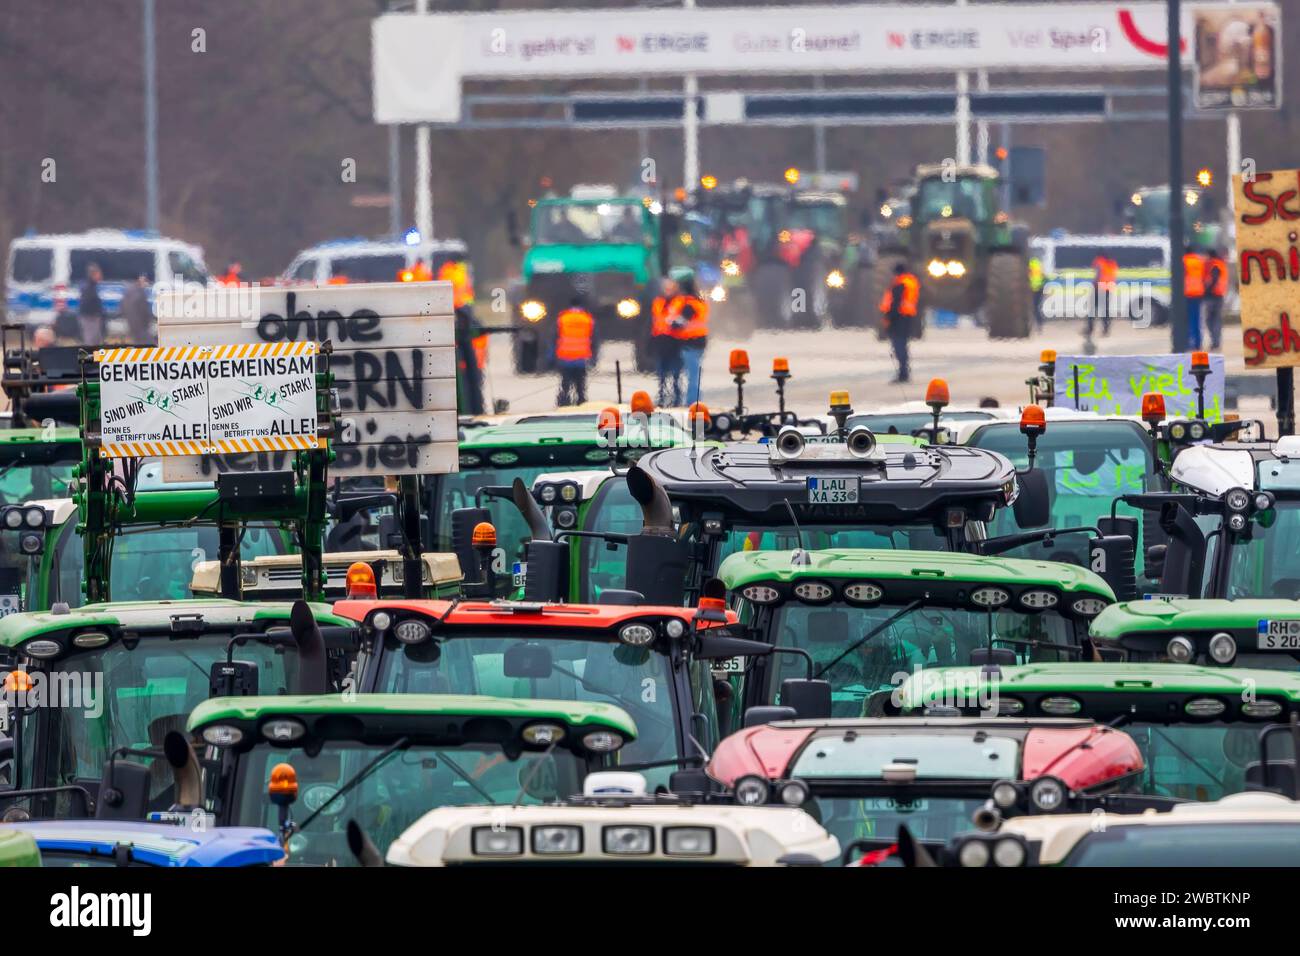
[
  {"x": 372, "y": 260},
  {"x": 44, "y": 273},
  {"x": 1068, "y": 272}
]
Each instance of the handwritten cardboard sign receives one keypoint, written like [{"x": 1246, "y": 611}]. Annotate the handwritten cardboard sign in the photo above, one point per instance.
[
  {"x": 1115, "y": 384},
  {"x": 182, "y": 400},
  {"x": 394, "y": 366},
  {"x": 1267, "y": 208}
]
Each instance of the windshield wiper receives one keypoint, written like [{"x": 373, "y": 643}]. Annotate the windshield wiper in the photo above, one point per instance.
[
  {"x": 870, "y": 634},
  {"x": 356, "y": 778},
  {"x": 459, "y": 771}
]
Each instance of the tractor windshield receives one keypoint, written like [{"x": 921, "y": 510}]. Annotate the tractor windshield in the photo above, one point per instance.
[
  {"x": 825, "y": 219},
  {"x": 1267, "y": 565},
  {"x": 392, "y": 788},
  {"x": 562, "y": 667},
  {"x": 903, "y": 641},
  {"x": 966, "y": 198},
  {"x": 588, "y": 224}
]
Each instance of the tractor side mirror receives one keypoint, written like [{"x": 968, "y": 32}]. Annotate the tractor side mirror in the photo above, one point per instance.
[
  {"x": 1153, "y": 564},
  {"x": 811, "y": 699},
  {"x": 1033, "y": 507},
  {"x": 760, "y": 715}
]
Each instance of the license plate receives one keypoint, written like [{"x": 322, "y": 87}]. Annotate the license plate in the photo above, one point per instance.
[
  {"x": 890, "y": 805},
  {"x": 10, "y": 604},
  {"x": 1279, "y": 636},
  {"x": 732, "y": 665},
  {"x": 518, "y": 574},
  {"x": 833, "y": 491}
]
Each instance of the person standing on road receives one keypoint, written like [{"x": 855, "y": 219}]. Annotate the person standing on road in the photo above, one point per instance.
[
  {"x": 138, "y": 313},
  {"x": 1194, "y": 292},
  {"x": 1105, "y": 283},
  {"x": 90, "y": 310},
  {"x": 898, "y": 307},
  {"x": 1216, "y": 287},
  {"x": 689, "y": 320},
  {"x": 573, "y": 330},
  {"x": 666, "y": 350}
]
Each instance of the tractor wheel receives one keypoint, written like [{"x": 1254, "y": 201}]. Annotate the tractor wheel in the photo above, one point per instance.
[
  {"x": 1008, "y": 301},
  {"x": 524, "y": 349},
  {"x": 773, "y": 285}
]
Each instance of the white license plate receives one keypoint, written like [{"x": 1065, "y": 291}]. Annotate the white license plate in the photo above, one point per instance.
[
  {"x": 1279, "y": 636},
  {"x": 519, "y": 574},
  {"x": 890, "y": 805},
  {"x": 10, "y": 604},
  {"x": 732, "y": 665},
  {"x": 832, "y": 491}
]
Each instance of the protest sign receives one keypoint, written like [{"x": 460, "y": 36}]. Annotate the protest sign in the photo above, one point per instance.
[{"x": 1115, "y": 384}]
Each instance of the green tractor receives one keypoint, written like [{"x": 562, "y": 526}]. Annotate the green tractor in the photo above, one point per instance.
[
  {"x": 971, "y": 259},
  {"x": 608, "y": 250}
]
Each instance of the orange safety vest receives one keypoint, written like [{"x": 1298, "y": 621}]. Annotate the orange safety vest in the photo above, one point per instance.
[
  {"x": 1107, "y": 272},
  {"x": 462, "y": 293},
  {"x": 659, "y": 317},
  {"x": 911, "y": 295},
  {"x": 1193, "y": 275},
  {"x": 573, "y": 328},
  {"x": 1220, "y": 288},
  {"x": 697, "y": 326},
  {"x": 480, "y": 343}
]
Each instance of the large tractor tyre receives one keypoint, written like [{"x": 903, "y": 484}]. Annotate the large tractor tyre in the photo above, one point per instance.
[
  {"x": 1009, "y": 300},
  {"x": 882, "y": 277},
  {"x": 737, "y": 314},
  {"x": 773, "y": 286},
  {"x": 854, "y": 307},
  {"x": 524, "y": 350}
]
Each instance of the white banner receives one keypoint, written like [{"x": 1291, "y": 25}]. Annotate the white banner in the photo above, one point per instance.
[
  {"x": 419, "y": 61},
  {"x": 1115, "y": 384},
  {"x": 393, "y": 361},
  {"x": 206, "y": 400}
]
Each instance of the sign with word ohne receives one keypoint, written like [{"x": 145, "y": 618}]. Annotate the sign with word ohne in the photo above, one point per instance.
[
  {"x": 393, "y": 362},
  {"x": 211, "y": 399},
  {"x": 1115, "y": 384},
  {"x": 1267, "y": 207}
]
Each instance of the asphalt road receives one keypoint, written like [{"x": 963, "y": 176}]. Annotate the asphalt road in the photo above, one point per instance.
[{"x": 821, "y": 361}]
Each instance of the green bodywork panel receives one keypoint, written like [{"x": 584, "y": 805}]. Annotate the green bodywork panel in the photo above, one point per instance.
[
  {"x": 1146, "y": 617},
  {"x": 569, "y": 433},
  {"x": 1087, "y": 677},
  {"x": 10, "y": 437},
  {"x": 252, "y": 709},
  {"x": 18, "y": 849},
  {"x": 751, "y": 567},
  {"x": 19, "y": 628},
  {"x": 637, "y": 258}
]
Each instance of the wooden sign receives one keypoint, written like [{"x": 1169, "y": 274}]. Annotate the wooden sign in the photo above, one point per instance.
[
  {"x": 1267, "y": 207},
  {"x": 394, "y": 366}
]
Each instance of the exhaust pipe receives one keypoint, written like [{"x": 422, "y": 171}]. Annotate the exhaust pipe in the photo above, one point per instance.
[
  {"x": 789, "y": 442},
  {"x": 313, "y": 677},
  {"x": 185, "y": 769},
  {"x": 532, "y": 512},
  {"x": 987, "y": 817},
  {"x": 861, "y": 441},
  {"x": 656, "y": 509}
]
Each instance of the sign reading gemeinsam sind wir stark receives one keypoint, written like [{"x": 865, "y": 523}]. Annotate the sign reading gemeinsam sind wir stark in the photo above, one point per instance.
[
  {"x": 1267, "y": 208},
  {"x": 393, "y": 363}
]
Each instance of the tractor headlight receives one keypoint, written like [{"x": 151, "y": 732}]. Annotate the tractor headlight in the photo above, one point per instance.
[
  {"x": 835, "y": 279},
  {"x": 1223, "y": 649},
  {"x": 637, "y": 635},
  {"x": 533, "y": 311},
  {"x": 936, "y": 268},
  {"x": 628, "y": 308},
  {"x": 1237, "y": 499},
  {"x": 498, "y": 841},
  {"x": 956, "y": 269},
  {"x": 688, "y": 841},
  {"x": 793, "y": 793},
  {"x": 412, "y": 631},
  {"x": 557, "y": 840},
  {"x": 628, "y": 841},
  {"x": 718, "y": 294},
  {"x": 1180, "y": 650},
  {"x": 1047, "y": 794},
  {"x": 751, "y": 791}
]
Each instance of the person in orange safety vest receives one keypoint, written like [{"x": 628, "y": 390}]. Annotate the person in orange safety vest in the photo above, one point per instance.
[
  {"x": 1105, "y": 283},
  {"x": 665, "y": 349},
  {"x": 1194, "y": 292},
  {"x": 1216, "y": 287},
  {"x": 688, "y": 320},
  {"x": 898, "y": 307},
  {"x": 574, "y": 328}
]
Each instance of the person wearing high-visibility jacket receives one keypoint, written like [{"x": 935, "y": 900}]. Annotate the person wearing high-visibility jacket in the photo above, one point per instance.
[
  {"x": 1036, "y": 280},
  {"x": 688, "y": 319},
  {"x": 1216, "y": 287},
  {"x": 1105, "y": 280},
  {"x": 471, "y": 341},
  {"x": 1194, "y": 292},
  {"x": 898, "y": 309},
  {"x": 666, "y": 349},
  {"x": 573, "y": 330}
]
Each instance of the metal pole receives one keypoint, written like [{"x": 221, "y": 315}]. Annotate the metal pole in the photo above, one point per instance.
[
  {"x": 690, "y": 126},
  {"x": 150, "y": 120},
  {"x": 394, "y": 179},
  {"x": 423, "y": 166},
  {"x": 643, "y": 133},
  {"x": 1177, "y": 300},
  {"x": 819, "y": 133},
  {"x": 963, "y": 118},
  {"x": 982, "y": 126},
  {"x": 1234, "y": 153}
]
